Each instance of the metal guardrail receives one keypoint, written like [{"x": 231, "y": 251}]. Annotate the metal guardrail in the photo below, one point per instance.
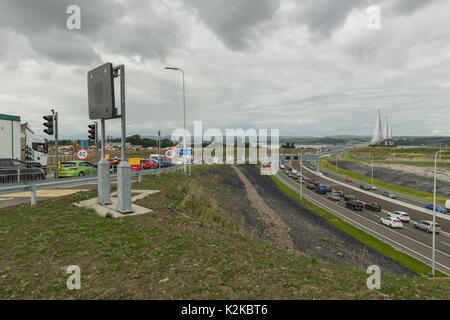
[
  {"x": 34, "y": 185},
  {"x": 377, "y": 235}
]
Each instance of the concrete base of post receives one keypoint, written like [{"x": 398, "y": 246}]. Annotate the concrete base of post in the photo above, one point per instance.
[
  {"x": 124, "y": 187},
  {"x": 104, "y": 185}
]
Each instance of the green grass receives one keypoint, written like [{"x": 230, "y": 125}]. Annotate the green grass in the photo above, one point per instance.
[
  {"x": 372, "y": 242},
  {"x": 327, "y": 163}
]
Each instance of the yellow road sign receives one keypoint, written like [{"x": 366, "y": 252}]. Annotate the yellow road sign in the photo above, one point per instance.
[{"x": 134, "y": 161}]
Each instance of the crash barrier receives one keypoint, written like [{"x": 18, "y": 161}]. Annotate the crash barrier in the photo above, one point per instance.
[{"x": 40, "y": 184}]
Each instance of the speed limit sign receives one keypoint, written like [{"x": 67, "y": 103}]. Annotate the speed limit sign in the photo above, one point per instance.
[
  {"x": 82, "y": 154},
  {"x": 170, "y": 153}
]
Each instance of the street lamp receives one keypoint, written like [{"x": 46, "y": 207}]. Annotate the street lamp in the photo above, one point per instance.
[
  {"x": 301, "y": 175},
  {"x": 184, "y": 117},
  {"x": 434, "y": 212}
]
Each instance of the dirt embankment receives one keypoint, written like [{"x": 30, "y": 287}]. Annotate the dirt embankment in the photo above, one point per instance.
[
  {"x": 260, "y": 203},
  {"x": 419, "y": 178}
]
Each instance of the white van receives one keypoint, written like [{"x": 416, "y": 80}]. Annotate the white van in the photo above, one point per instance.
[{"x": 447, "y": 204}]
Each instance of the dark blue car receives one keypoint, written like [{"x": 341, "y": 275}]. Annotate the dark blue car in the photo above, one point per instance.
[{"x": 438, "y": 208}]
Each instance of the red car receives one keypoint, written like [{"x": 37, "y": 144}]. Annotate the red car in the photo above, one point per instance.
[
  {"x": 311, "y": 181},
  {"x": 147, "y": 164},
  {"x": 348, "y": 180}
]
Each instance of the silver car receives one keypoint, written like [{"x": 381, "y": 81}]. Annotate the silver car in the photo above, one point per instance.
[{"x": 427, "y": 226}]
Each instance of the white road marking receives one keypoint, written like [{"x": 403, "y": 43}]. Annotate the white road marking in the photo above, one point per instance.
[{"x": 1, "y": 199}]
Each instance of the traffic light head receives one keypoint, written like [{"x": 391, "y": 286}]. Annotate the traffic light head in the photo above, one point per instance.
[
  {"x": 92, "y": 133},
  {"x": 48, "y": 124}
]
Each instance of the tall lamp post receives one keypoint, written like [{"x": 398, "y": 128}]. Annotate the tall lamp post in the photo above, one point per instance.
[
  {"x": 434, "y": 213},
  {"x": 301, "y": 175},
  {"x": 184, "y": 117}
]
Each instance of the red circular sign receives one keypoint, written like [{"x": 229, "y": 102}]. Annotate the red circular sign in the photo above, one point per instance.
[
  {"x": 170, "y": 153},
  {"x": 82, "y": 154}
]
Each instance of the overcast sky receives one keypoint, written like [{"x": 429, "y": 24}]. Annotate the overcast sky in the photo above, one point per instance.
[{"x": 306, "y": 67}]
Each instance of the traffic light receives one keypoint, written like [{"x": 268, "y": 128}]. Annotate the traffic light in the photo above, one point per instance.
[
  {"x": 48, "y": 124},
  {"x": 92, "y": 132}
]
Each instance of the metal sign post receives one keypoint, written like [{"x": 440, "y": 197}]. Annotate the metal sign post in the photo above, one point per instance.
[
  {"x": 104, "y": 186},
  {"x": 56, "y": 144},
  {"x": 102, "y": 106},
  {"x": 124, "y": 168}
]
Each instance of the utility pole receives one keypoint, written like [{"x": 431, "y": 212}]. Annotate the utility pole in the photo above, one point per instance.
[
  {"x": 159, "y": 154},
  {"x": 301, "y": 175}
]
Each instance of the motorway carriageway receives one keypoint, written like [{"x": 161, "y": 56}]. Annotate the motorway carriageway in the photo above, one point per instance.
[
  {"x": 401, "y": 197},
  {"x": 414, "y": 240}
]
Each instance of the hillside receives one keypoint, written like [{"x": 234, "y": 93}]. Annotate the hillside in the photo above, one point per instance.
[{"x": 208, "y": 237}]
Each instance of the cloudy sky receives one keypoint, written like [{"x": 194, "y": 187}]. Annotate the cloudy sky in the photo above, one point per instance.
[{"x": 307, "y": 67}]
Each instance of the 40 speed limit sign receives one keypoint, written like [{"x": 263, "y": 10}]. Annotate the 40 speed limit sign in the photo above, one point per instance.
[
  {"x": 170, "y": 153},
  {"x": 82, "y": 154}
]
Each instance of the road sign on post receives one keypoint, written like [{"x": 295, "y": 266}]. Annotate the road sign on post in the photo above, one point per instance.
[
  {"x": 101, "y": 92},
  {"x": 82, "y": 154},
  {"x": 186, "y": 152},
  {"x": 170, "y": 153}
]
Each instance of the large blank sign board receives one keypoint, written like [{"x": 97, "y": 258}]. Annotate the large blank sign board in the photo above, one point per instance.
[{"x": 101, "y": 92}]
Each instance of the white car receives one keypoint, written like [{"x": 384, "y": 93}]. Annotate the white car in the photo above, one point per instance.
[
  {"x": 294, "y": 171},
  {"x": 372, "y": 187},
  {"x": 391, "y": 222},
  {"x": 400, "y": 215},
  {"x": 281, "y": 166},
  {"x": 299, "y": 174}
]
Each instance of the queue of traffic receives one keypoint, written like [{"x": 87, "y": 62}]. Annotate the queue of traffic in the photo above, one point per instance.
[{"x": 394, "y": 219}]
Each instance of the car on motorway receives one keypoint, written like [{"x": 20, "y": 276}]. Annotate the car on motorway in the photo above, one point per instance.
[
  {"x": 310, "y": 186},
  {"x": 364, "y": 187},
  {"x": 77, "y": 169},
  {"x": 311, "y": 180},
  {"x": 281, "y": 166},
  {"x": 354, "y": 204},
  {"x": 400, "y": 215},
  {"x": 286, "y": 171},
  {"x": 293, "y": 176},
  {"x": 321, "y": 189},
  {"x": 328, "y": 188},
  {"x": 12, "y": 170},
  {"x": 390, "y": 195},
  {"x": 335, "y": 196},
  {"x": 325, "y": 172},
  {"x": 294, "y": 171},
  {"x": 341, "y": 193},
  {"x": 349, "y": 197},
  {"x": 290, "y": 175},
  {"x": 373, "y": 206},
  {"x": 391, "y": 222},
  {"x": 372, "y": 187},
  {"x": 439, "y": 208},
  {"x": 348, "y": 180},
  {"x": 427, "y": 226}
]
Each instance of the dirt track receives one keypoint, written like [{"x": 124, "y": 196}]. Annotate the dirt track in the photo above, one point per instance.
[{"x": 310, "y": 233}]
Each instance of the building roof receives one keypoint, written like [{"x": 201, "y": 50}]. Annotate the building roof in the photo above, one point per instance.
[{"x": 9, "y": 117}]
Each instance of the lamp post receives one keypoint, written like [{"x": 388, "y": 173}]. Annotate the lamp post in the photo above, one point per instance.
[
  {"x": 434, "y": 214},
  {"x": 301, "y": 175},
  {"x": 371, "y": 156},
  {"x": 184, "y": 117}
]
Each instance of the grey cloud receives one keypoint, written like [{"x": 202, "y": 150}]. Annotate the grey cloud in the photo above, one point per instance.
[{"x": 235, "y": 22}]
